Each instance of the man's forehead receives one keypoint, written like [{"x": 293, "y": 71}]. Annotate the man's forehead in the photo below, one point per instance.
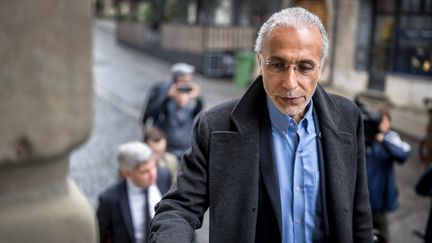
[
  {"x": 284, "y": 32},
  {"x": 284, "y": 40}
]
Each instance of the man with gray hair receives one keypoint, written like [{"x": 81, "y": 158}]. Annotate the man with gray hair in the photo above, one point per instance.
[
  {"x": 125, "y": 209},
  {"x": 285, "y": 163}
]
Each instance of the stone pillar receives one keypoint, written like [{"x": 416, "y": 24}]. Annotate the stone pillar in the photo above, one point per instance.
[
  {"x": 346, "y": 77},
  {"x": 45, "y": 107}
]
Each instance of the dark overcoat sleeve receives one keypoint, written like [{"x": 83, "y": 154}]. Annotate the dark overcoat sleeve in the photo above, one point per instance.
[
  {"x": 362, "y": 223},
  {"x": 181, "y": 210}
]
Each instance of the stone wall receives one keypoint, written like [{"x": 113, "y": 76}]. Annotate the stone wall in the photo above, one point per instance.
[{"x": 45, "y": 102}]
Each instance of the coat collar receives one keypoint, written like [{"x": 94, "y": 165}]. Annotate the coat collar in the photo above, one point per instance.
[
  {"x": 248, "y": 111},
  {"x": 250, "y": 115},
  {"x": 326, "y": 109},
  {"x": 245, "y": 113}
]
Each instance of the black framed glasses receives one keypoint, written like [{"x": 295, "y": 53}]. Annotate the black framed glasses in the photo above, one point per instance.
[{"x": 303, "y": 69}]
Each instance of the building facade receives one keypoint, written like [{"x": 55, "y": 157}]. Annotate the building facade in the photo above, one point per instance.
[
  {"x": 379, "y": 47},
  {"x": 384, "y": 47}
]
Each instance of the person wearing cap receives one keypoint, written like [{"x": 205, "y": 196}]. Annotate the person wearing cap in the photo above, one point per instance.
[
  {"x": 125, "y": 209},
  {"x": 172, "y": 107}
]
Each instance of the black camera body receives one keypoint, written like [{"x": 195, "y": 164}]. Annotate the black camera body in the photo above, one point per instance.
[
  {"x": 371, "y": 120},
  {"x": 184, "y": 89}
]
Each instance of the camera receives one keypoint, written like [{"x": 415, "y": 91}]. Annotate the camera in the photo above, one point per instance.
[
  {"x": 184, "y": 89},
  {"x": 371, "y": 120}
]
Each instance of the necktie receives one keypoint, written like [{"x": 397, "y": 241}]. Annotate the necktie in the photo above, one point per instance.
[{"x": 146, "y": 230}]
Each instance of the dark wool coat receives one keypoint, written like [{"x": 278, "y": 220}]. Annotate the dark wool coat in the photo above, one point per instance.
[{"x": 231, "y": 171}]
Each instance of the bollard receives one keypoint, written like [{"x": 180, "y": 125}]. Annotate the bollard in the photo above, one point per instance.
[{"x": 426, "y": 143}]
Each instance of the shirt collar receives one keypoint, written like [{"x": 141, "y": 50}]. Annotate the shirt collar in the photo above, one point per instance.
[
  {"x": 282, "y": 121},
  {"x": 133, "y": 188}
]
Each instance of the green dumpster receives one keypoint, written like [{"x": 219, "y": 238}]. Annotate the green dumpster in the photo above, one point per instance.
[{"x": 244, "y": 66}]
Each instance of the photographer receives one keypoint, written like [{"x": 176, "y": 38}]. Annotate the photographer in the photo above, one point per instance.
[
  {"x": 383, "y": 147},
  {"x": 172, "y": 107}
]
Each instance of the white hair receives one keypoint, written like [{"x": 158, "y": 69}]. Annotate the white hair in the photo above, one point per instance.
[
  {"x": 131, "y": 155},
  {"x": 296, "y": 17}
]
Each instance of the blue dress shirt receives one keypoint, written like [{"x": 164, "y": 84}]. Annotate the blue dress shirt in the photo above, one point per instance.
[{"x": 296, "y": 156}]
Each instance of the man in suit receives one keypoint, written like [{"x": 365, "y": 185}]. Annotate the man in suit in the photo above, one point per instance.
[
  {"x": 125, "y": 209},
  {"x": 285, "y": 163}
]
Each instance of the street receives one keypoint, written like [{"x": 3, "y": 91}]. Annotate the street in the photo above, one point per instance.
[{"x": 122, "y": 77}]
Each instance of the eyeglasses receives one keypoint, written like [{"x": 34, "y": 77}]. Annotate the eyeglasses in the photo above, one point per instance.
[{"x": 304, "y": 69}]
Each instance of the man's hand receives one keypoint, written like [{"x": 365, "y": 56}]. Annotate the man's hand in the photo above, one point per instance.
[
  {"x": 195, "y": 90},
  {"x": 379, "y": 137}
]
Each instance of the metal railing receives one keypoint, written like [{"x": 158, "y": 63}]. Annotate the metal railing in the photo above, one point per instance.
[{"x": 198, "y": 39}]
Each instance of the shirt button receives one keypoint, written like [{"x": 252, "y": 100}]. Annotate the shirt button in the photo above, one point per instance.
[
  {"x": 298, "y": 188},
  {"x": 299, "y": 221}
]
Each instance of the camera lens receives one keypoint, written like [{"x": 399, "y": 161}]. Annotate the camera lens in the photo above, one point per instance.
[{"x": 184, "y": 89}]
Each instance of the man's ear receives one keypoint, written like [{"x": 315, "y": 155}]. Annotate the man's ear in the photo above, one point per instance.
[{"x": 125, "y": 173}]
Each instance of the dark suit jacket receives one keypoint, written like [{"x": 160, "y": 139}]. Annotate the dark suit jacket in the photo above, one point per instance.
[
  {"x": 231, "y": 170},
  {"x": 114, "y": 214}
]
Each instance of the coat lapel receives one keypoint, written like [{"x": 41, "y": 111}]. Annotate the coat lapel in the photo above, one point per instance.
[
  {"x": 125, "y": 210},
  {"x": 251, "y": 117},
  {"x": 268, "y": 168},
  {"x": 337, "y": 153},
  {"x": 336, "y": 144},
  {"x": 322, "y": 184}
]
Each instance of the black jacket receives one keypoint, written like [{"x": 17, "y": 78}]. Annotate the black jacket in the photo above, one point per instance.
[
  {"x": 230, "y": 170},
  {"x": 114, "y": 214}
]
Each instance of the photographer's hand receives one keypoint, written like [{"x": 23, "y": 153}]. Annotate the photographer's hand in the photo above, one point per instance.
[
  {"x": 379, "y": 137},
  {"x": 195, "y": 90},
  {"x": 172, "y": 92}
]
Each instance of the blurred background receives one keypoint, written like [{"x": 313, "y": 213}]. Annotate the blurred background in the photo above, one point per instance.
[{"x": 92, "y": 64}]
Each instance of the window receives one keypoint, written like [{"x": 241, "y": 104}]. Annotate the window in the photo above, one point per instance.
[
  {"x": 410, "y": 5},
  {"x": 414, "y": 46},
  {"x": 400, "y": 38}
]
